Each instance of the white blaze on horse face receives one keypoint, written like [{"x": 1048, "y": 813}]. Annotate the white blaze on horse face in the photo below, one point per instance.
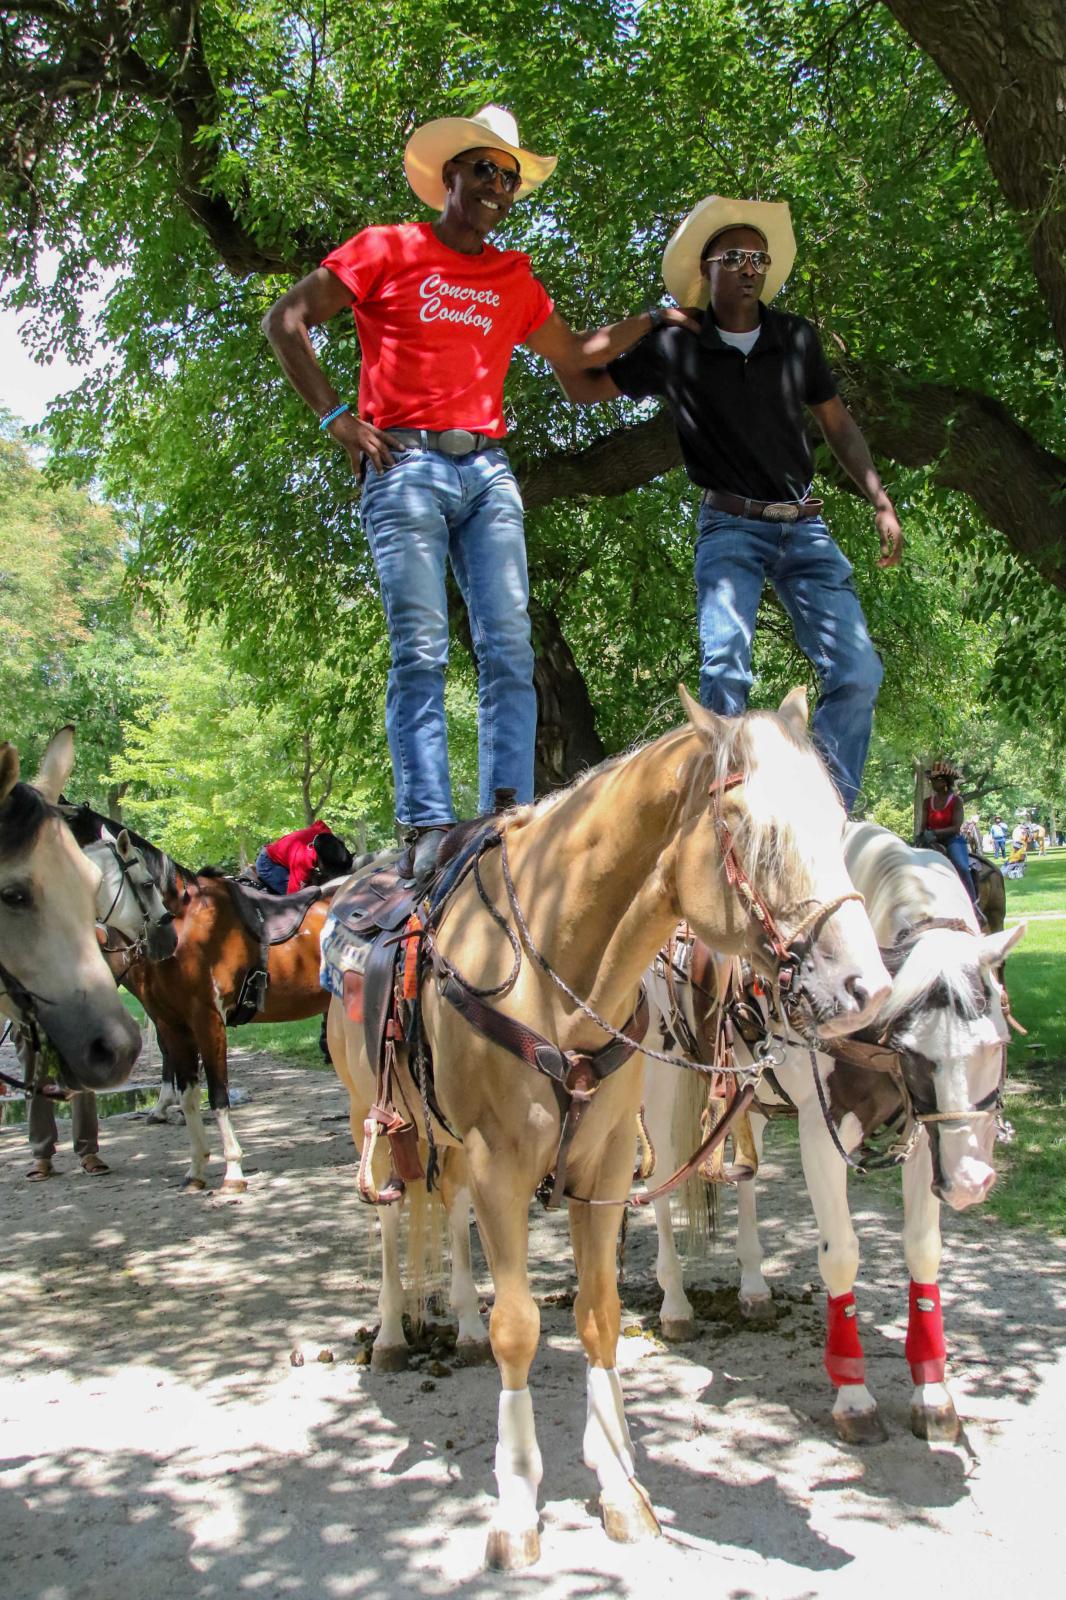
[{"x": 790, "y": 796}]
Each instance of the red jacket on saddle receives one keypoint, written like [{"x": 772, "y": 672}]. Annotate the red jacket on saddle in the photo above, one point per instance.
[{"x": 297, "y": 852}]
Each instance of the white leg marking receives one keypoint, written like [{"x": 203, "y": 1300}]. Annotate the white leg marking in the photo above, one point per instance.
[
  {"x": 390, "y": 1299},
  {"x": 676, "y": 1306},
  {"x": 194, "y": 1127},
  {"x": 462, "y": 1297},
  {"x": 853, "y": 1397},
  {"x": 754, "y": 1289},
  {"x": 230, "y": 1147},
  {"x": 519, "y": 1468},
  {"x": 608, "y": 1449}
]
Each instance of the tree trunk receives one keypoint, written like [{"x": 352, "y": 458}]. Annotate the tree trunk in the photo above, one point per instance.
[
  {"x": 567, "y": 741},
  {"x": 1006, "y": 61},
  {"x": 115, "y": 795}
]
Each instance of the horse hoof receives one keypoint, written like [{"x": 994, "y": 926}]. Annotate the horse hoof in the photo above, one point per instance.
[
  {"x": 473, "y": 1353},
  {"x": 936, "y": 1424},
  {"x": 389, "y": 1358},
  {"x": 630, "y": 1522},
  {"x": 507, "y": 1551},
  {"x": 678, "y": 1330},
  {"x": 157, "y": 1117},
  {"x": 860, "y": 1427},
  {"x": 234, "y": 1186},
  {"x": 193, "y": 1185},
  {"x": 760, "y": 1311}
]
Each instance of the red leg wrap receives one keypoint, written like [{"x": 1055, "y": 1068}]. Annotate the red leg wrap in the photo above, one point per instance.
[
  {"x": 844, "y": 1360},
  {"x": 925, "y": 1334}
]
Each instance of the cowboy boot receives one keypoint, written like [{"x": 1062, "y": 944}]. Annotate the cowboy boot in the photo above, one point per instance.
[{"x": 419, "y": 861}]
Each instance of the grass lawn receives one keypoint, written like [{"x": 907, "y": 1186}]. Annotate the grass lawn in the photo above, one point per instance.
[{"x": 1032, "y": 1185}]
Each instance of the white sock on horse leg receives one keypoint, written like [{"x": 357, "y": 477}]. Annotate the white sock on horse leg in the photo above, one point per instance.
[
  {"x": 519, "y": 1467},
  {"x": 608, "y": 1449}
]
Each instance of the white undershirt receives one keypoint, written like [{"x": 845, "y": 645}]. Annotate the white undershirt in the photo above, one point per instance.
[{"x": 740, "y": 341}]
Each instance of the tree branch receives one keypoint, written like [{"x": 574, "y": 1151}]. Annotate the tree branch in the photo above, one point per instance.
[{"x": 971, "y": 442}]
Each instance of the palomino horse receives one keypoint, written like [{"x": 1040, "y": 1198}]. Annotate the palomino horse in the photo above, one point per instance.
[
  {"x": 54, "y": 982},
  {"x": 586, "y": 885},
  {"x": 216, "y": 975},
  {"x": 944, "y": 1024}
]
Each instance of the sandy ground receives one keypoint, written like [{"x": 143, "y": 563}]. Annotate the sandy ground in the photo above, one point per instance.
[{"x": 156, "y": 1440}]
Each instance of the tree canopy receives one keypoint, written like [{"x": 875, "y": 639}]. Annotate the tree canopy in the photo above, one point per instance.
[{"x": 199, "y": 154}]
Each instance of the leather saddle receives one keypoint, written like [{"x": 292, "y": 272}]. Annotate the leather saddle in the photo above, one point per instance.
[{"x": 269, "y": 919}]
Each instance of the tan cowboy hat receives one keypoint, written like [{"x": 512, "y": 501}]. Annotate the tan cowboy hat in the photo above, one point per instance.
[
  {"x": 434, "y": 143},
  {"x": 681, "y": 258}
]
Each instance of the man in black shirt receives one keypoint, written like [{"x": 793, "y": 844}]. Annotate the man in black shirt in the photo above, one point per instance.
[{"x": 737, "y": 390}]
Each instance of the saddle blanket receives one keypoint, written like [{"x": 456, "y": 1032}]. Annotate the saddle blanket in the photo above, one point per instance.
[{"x": 361, "y": 908}]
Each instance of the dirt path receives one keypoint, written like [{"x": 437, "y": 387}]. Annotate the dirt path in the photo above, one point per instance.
[{"x": 155, "y": 1440}]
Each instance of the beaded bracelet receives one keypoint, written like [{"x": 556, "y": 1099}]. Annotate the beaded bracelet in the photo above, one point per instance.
[{"x": 331, "y": 416}]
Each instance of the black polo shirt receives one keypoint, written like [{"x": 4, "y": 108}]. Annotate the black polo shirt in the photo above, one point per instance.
[{"x": 740, "y": 419}]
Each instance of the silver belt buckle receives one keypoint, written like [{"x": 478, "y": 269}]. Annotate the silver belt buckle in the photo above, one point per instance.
[
  {"x": 780, "y": 511},
  {"x": 457, "y": 442}
]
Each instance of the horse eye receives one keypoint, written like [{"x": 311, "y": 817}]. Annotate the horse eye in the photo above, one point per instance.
[{"x": 16, "y": 897}]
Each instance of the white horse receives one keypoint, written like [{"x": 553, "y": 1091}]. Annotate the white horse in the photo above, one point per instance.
[
  {"x": 54, "y": 981},
  {"x": 945, "y": 1020},
  {"x": 128, "y": 900}
]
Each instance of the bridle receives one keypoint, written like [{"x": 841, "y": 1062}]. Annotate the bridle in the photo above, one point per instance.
[
  {"x": 789, "y": 952},
  {"x": 130, "y": 950},
  {"x": 25, "y": 1003}
]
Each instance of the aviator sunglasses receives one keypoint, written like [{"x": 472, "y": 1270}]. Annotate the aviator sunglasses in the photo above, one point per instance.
[
  {"x": 733, "y": 260},
  {"x": 488, "y": 172}
]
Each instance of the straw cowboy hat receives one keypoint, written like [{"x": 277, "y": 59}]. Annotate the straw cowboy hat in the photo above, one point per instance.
[
  {"x": 430, "y": 146},
  {"x": 681, "y": 259}
]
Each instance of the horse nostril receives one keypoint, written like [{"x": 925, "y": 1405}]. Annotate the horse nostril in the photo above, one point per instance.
[{"x": 858, "y": 991}]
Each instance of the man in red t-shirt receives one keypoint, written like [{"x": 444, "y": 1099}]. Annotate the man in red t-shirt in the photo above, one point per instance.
[
  {"x": 288, "y": 863},
  {"x": 438, "y": 312}
]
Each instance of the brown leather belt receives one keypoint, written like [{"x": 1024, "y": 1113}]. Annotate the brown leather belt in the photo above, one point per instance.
[
  {"x": 451, "y": 442},
  {"x": 766, "y": 510}
]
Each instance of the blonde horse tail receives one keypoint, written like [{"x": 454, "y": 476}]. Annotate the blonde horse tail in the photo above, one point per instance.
[{"x": 696, "y": 1201}]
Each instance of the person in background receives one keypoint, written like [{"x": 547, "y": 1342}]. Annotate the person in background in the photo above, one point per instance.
[
  {"x": 942, "y": 820},
  {"x": 310, "y": 855},
  {"x": 998, "y": 830},
  {"x": 43, "y": 1132}
]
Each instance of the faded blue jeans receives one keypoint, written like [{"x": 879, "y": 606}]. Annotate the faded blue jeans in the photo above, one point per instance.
[
  {"x": 426, "y": 510},
  {"x": 812, "y": 579}
]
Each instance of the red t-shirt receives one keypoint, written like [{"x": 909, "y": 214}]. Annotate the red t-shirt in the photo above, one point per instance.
[
  {"x": 297, "y": 852},
  {"x": 437, "y": 328}
]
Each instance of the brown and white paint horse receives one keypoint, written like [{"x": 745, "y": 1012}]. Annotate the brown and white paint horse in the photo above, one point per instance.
[
  {"x": 945, "y": 1020},
  {"x": 54, "y": 982},
  {"x": 190, "y": 996},
  {"x": 602, "y": 872}
]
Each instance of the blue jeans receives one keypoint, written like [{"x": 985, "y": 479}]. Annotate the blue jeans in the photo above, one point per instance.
[
  {"x": 426, "y": 510},
  {"x": 999, "y": 848},
  {"x": 271, "y": 875},
  {"x": 958, "y": 852},
  {"x": 812, "y": 579}
]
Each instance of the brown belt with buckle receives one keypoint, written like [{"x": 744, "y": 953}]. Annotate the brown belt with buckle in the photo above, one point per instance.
[
  {"x": 767, "y": 510},
  {"x": 451, "y": 442}
]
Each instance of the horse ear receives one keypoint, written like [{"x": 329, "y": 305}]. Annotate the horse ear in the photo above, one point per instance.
[
  {"x": 705, "y": 722},
  {"x": 794, "y": 710},
  {"x": 995, "y": 946},
  {"x": 56, "y": 763},
  {"x": 9, "y": 769},
  {"x": 123, "y": 846}
]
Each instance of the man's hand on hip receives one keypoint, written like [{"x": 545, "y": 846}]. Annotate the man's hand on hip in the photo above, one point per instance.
[
  {"x": 890, "y": 535},
  {"x": 362, "y": 439}
]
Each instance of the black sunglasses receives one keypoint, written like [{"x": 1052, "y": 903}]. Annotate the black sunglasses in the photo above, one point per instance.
[
  {"x": 488, "y": 172},
  {"x": 733, "y": 260}
]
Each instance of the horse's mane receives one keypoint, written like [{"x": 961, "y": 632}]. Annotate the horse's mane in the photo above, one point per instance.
[
  {"x": 943, "y": 960},
  {"x": 23, "y": 814},
  {"x": 167, "y": 872},
  {"x": 904, "y": 886},
  {"x": 764, "y": 845}
]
